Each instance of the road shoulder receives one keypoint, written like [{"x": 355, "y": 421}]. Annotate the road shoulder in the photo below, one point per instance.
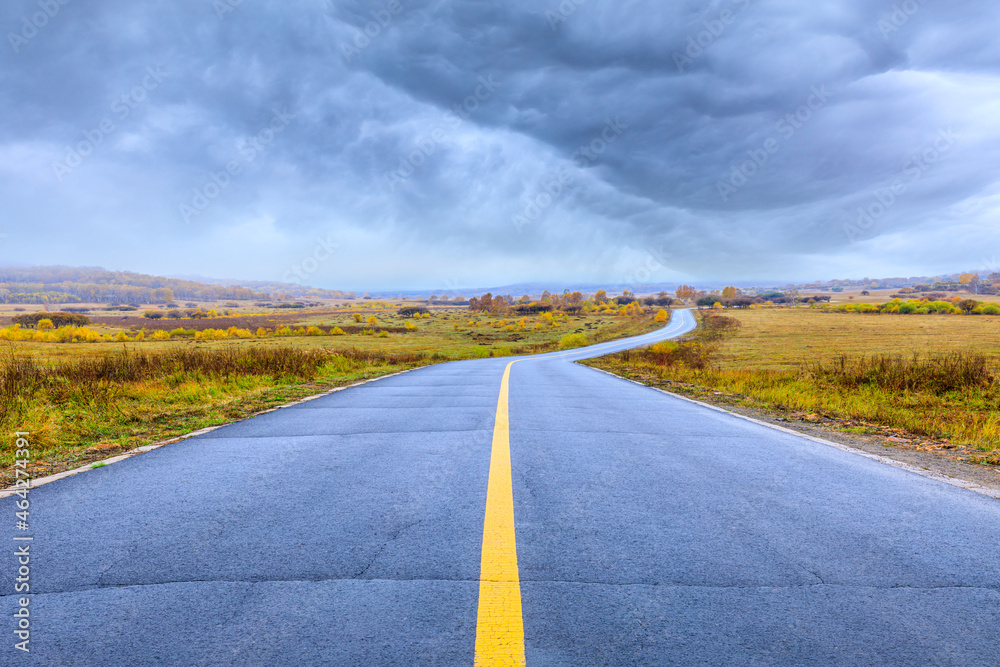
[{"x": 890, "y": 447}]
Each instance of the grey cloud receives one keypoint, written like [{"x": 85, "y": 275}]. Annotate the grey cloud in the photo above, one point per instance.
[{"x": 372, "y": 85}]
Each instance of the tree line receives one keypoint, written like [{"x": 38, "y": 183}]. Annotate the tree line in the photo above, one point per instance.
[{"x": 63, "y": 284}]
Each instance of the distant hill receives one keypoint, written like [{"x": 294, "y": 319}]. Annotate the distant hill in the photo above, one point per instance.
[{"x": 66, "y": 284}]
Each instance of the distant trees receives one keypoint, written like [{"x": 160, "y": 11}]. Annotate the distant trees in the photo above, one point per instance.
[
  {"x": 55, "y": 319},
  {"x": 489, "y": 304},
  {"x": 971, "y": 281},
  {"x": 63, "y": 284},
  {"x": 661, "y": 300},
  {"x": 706, "y": 301},
  {"x": 685, "y": 292}
]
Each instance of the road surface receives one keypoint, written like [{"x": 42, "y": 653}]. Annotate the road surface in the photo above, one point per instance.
[{"x": 349, "y": 530}]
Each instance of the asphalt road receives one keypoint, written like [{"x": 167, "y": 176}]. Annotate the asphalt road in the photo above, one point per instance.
[{"x": 348, "y": 530}]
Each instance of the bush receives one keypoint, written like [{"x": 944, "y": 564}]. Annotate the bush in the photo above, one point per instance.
[
  {"x": 967, "y": 305},
  {"x": 57, "y": 319},
  {"x": 706, "y": 301},
  {"x": 573, "y": 340},
  {"x": 693, "y": 354},
  {"x": 532, "y": 308},
  {"x": 153, "y": 315},
  {"x": 716, "y": 326},
  {"x": 739, "y": 302}
]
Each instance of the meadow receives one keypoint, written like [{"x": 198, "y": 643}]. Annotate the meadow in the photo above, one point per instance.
[
  {"x": 927, "y": 376},
  {"x": 123, "y": 381}
]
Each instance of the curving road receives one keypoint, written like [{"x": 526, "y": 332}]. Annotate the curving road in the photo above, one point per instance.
[{"x": 349, "y": 530}]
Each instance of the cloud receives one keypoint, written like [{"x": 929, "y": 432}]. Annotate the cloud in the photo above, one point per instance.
[{"x": 752, "y": 137}]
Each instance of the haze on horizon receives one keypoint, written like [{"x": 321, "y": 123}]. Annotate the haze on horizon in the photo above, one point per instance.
[{"x": 419, "y": 144}]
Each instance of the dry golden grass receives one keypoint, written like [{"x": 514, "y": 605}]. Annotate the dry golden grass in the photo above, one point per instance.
[
  {"x": 783, "y": 338},
  {"x": 773, "y": 361}
]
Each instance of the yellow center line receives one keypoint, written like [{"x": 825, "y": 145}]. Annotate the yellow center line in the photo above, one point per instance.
[{"x": 499, "y": 627}]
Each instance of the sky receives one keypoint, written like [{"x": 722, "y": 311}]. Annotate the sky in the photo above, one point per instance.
[{"x": 449, "y": 144}]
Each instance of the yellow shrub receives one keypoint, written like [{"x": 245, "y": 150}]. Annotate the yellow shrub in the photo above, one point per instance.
[{"x": 160, "y": 335}]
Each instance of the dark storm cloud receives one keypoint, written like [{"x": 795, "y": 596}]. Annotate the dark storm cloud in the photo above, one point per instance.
[{"x": 466, "y": 143}]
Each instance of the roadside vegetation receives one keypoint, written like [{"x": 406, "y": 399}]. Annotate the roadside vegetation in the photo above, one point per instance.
[
  {"x": 930, "y": 381},
  {"x": 898, "y": 306},
  {"x": 95, "y": 407},
  {"x": 91, "y": 385}
]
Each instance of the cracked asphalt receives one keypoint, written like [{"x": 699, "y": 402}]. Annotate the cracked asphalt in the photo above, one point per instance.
[{"x": 347, "y": 530}]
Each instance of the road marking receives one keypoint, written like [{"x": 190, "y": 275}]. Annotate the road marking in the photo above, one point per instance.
[{"x": 500, "y": 627}]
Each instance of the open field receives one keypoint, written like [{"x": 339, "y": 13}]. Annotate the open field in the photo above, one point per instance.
[
  {"x": 85, "y": 401},
  {"x": 857, "y": 372}
]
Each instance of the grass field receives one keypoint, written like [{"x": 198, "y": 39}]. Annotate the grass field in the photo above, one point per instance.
[
  {"x": 857, "y": 368},
  {"x": 89, "y": 400}
]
